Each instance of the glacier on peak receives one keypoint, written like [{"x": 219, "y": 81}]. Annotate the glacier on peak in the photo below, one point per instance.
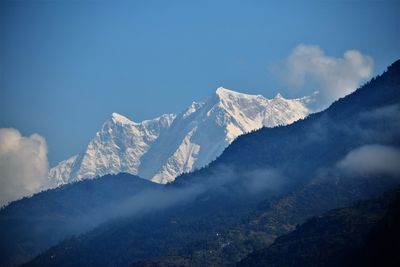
[{"x": 162, "y": 148}]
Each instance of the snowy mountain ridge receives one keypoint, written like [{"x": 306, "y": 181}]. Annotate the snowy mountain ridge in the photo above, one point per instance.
[{"x": 162, "y": 148}]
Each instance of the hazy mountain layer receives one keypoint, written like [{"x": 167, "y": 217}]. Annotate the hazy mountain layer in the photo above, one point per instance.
[{"x": 31, "y": 225}]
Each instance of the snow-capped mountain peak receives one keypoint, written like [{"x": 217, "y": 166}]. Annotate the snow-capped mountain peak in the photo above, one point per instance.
[
  {"x": 118, "y": 118},
  {"x": 224, "y": 93},
  {"x": 195, "y": 106},
  {"x": 162, "y": 148}
]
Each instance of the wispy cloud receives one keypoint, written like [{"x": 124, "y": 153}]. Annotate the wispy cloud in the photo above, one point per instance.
[
  {"x": 308, "y": 66},
  {"x": 253, "y": 182},
  {"x": 370, "y": 160},
  {"x": 23, "y": 165}
]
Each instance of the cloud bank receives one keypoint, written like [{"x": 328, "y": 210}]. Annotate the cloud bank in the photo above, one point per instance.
[
  {"x": 23, "y": 165},
  {"x": 371, "y": 160},
  {"x": 309, "y": 67}
]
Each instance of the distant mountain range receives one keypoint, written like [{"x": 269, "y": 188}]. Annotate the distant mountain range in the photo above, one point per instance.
[{"x": 167, "y": 146}]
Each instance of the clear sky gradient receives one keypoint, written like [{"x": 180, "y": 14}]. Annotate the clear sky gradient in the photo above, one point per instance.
[{"x": 65, "y": 66}]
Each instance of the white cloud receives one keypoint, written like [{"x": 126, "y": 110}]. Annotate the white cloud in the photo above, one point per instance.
[
  {"x": 309, "y": 67},
  {"x": 23, "y": 165},
  {"x": 371, "y": 160}
]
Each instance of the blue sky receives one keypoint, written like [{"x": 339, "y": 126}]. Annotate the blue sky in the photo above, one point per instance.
[{"x": 65, "y": 66}]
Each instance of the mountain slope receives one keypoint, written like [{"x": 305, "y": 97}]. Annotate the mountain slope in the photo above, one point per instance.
[
  {"x": 261, "y": 187},
  {"x": 167, "y": 146},
  {"x": 117, "y": 147},
  {"x": 366, "y": 234},
  {"x": 30, "y": 225}
]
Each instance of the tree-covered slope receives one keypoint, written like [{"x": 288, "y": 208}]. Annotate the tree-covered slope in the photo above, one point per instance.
[
  {"x": 365, "y": 234},
  {"x": 33, "y": 224}
]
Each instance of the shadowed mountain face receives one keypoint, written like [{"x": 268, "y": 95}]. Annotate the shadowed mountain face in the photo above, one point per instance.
[
  {"x": 365, "y": 234},
  {"x": 30, "y": 225},
  {"x": 261, "y": 187}
]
